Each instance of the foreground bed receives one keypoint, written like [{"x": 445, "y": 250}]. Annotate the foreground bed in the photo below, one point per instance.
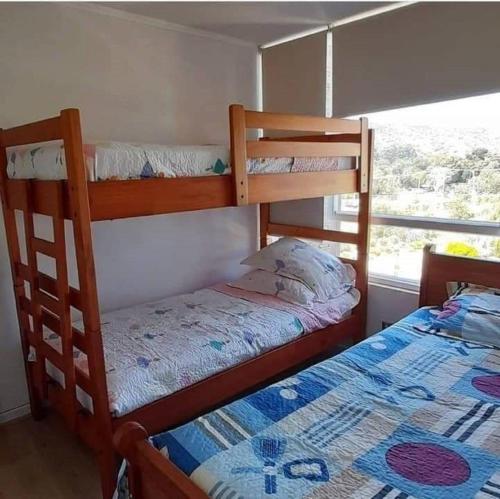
[{"x": 408, "y": 412}]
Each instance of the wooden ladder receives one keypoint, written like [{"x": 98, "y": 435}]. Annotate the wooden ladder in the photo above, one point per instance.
[
  {"x": 48, "y": 303},
  {"x": 50, "y": 308}
]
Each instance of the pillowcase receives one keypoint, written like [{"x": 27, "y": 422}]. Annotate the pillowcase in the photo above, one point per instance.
[
  {"x": 268, "y": 283},
  {"x": 456, "y": 288},
  {"x": 322, "y": 273},
  {"x": 472, "y": 313}
]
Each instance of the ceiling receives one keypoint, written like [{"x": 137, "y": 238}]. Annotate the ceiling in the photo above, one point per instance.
[{"x": 256, "y": 22}]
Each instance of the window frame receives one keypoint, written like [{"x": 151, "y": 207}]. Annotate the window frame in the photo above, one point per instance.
[{"x": 336, "y": 215}]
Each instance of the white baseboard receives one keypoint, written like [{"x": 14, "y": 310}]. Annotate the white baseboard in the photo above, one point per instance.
[{"x": 15, "y": 413}]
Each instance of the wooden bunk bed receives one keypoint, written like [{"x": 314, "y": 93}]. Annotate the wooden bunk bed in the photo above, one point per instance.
[
  {"x": 50, "y": 299},
  {"x": 151, "y": 475}
]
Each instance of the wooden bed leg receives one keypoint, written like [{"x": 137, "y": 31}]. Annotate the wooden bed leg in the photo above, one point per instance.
[
  {"x": 365, "y": 181},
  {"x": 238, "y": 154},
  {"x": 80, "y": 215},
  {"x": 108, "y": 470},
  {"x": 265, "y": 209},
  {"x": 36, "y": 404}
]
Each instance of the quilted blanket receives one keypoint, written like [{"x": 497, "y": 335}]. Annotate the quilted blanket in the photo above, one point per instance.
[
  {"x": 122, "y": 161},
  {"x": 406, "y": 413},
  {"x": 155, "y": 349}
]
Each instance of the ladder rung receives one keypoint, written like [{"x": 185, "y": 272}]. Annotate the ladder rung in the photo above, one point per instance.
[
  {"x": 53, "y": 323},
  {"x": 42, "y": 246},
  {"x": 83, "y": 381},
  {"x": 79, "y": 340},
  {"x": 49, "y": 284},
  {"x": 52, "y": 355},
  {"x": 48, "y": 302}
]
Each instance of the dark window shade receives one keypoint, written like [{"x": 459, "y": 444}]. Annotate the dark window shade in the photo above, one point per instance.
[{"x": 418, "y": 54}]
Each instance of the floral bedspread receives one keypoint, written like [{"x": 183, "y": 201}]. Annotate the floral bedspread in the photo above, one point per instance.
[{"x": 155, "y": 349}]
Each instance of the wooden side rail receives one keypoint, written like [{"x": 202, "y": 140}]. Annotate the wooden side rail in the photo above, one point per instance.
[
  {"x": 33, "y": 133},
  {"x": 300, "y": 123},
  {"x": 272, "y": 149},
  {"x": 313, "y": 233},
  {"x": 112, "y": 199},
  {"x": 249, "y": 189}
]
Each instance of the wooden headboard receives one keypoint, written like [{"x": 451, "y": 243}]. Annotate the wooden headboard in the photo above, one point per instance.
[{"x": 439, "y": 269}]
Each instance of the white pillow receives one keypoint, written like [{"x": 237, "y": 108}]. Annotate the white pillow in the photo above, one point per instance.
[
  {"x": 323, "y": 273},
  {"x": 269, "y": 283}
]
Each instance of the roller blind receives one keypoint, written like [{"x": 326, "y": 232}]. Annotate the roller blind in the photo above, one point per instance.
[
  {"x": 418, "y": 54},
  {"x": 294, "y": 81},
  {"x": 294, "y": 76}
]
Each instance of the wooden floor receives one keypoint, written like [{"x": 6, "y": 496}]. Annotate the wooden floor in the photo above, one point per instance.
[{"x": 41, "y": 460}]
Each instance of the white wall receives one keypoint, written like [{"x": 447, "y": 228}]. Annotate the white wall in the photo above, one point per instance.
[
  {"x": 132, "y": 81},
  {"x": 388, "y": 304}
]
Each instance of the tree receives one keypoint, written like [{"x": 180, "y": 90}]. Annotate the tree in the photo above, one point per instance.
[
  {"x": 460, "y": 209},
  {"x": 461, "y": 249},
  {"x": 495, "y": 248},
  {"x": 488, "y": 181}
]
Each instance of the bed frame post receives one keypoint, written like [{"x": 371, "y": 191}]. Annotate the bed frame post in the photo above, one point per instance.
[
  {"x": 365, "y": 177},
  {"x": 428, "y": 250},
  {"x": 125, "y": 440},
  {"x": 80, "y": 215},
  {"x": 364, "y": 159},
  {"x": 264, "y": 215},
  {"x": 34, "y": 385},
  {"x": 237, "y": 128}
]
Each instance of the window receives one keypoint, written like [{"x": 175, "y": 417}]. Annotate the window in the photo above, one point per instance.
[{"x": 436, "y": 179}]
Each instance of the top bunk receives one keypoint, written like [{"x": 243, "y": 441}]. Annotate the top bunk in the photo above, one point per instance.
[{"x": 130, "y": 180}]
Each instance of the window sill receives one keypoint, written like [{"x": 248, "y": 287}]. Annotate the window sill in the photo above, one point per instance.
[{"x": 398, "y": 283}]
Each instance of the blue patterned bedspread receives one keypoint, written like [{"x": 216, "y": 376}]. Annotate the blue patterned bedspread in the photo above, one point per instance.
[{"x": 406, "y": 413}]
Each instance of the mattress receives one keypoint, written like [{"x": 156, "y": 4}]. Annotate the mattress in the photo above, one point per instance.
[
  {"x": 155, "y": 349},
  {"x": 121, "y": 161},
  {"x": 406, "y": 413}
]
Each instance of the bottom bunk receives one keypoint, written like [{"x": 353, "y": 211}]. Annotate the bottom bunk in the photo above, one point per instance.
[
  {"x": 156, "y": 349},
  {"x": 411, "y": 411}
]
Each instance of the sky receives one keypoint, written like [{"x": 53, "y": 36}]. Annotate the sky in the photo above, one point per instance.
[{"x": 472, "y": 112}]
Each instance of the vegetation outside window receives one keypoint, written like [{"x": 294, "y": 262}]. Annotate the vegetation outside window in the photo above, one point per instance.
[{"x": 436, "y": 179}]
